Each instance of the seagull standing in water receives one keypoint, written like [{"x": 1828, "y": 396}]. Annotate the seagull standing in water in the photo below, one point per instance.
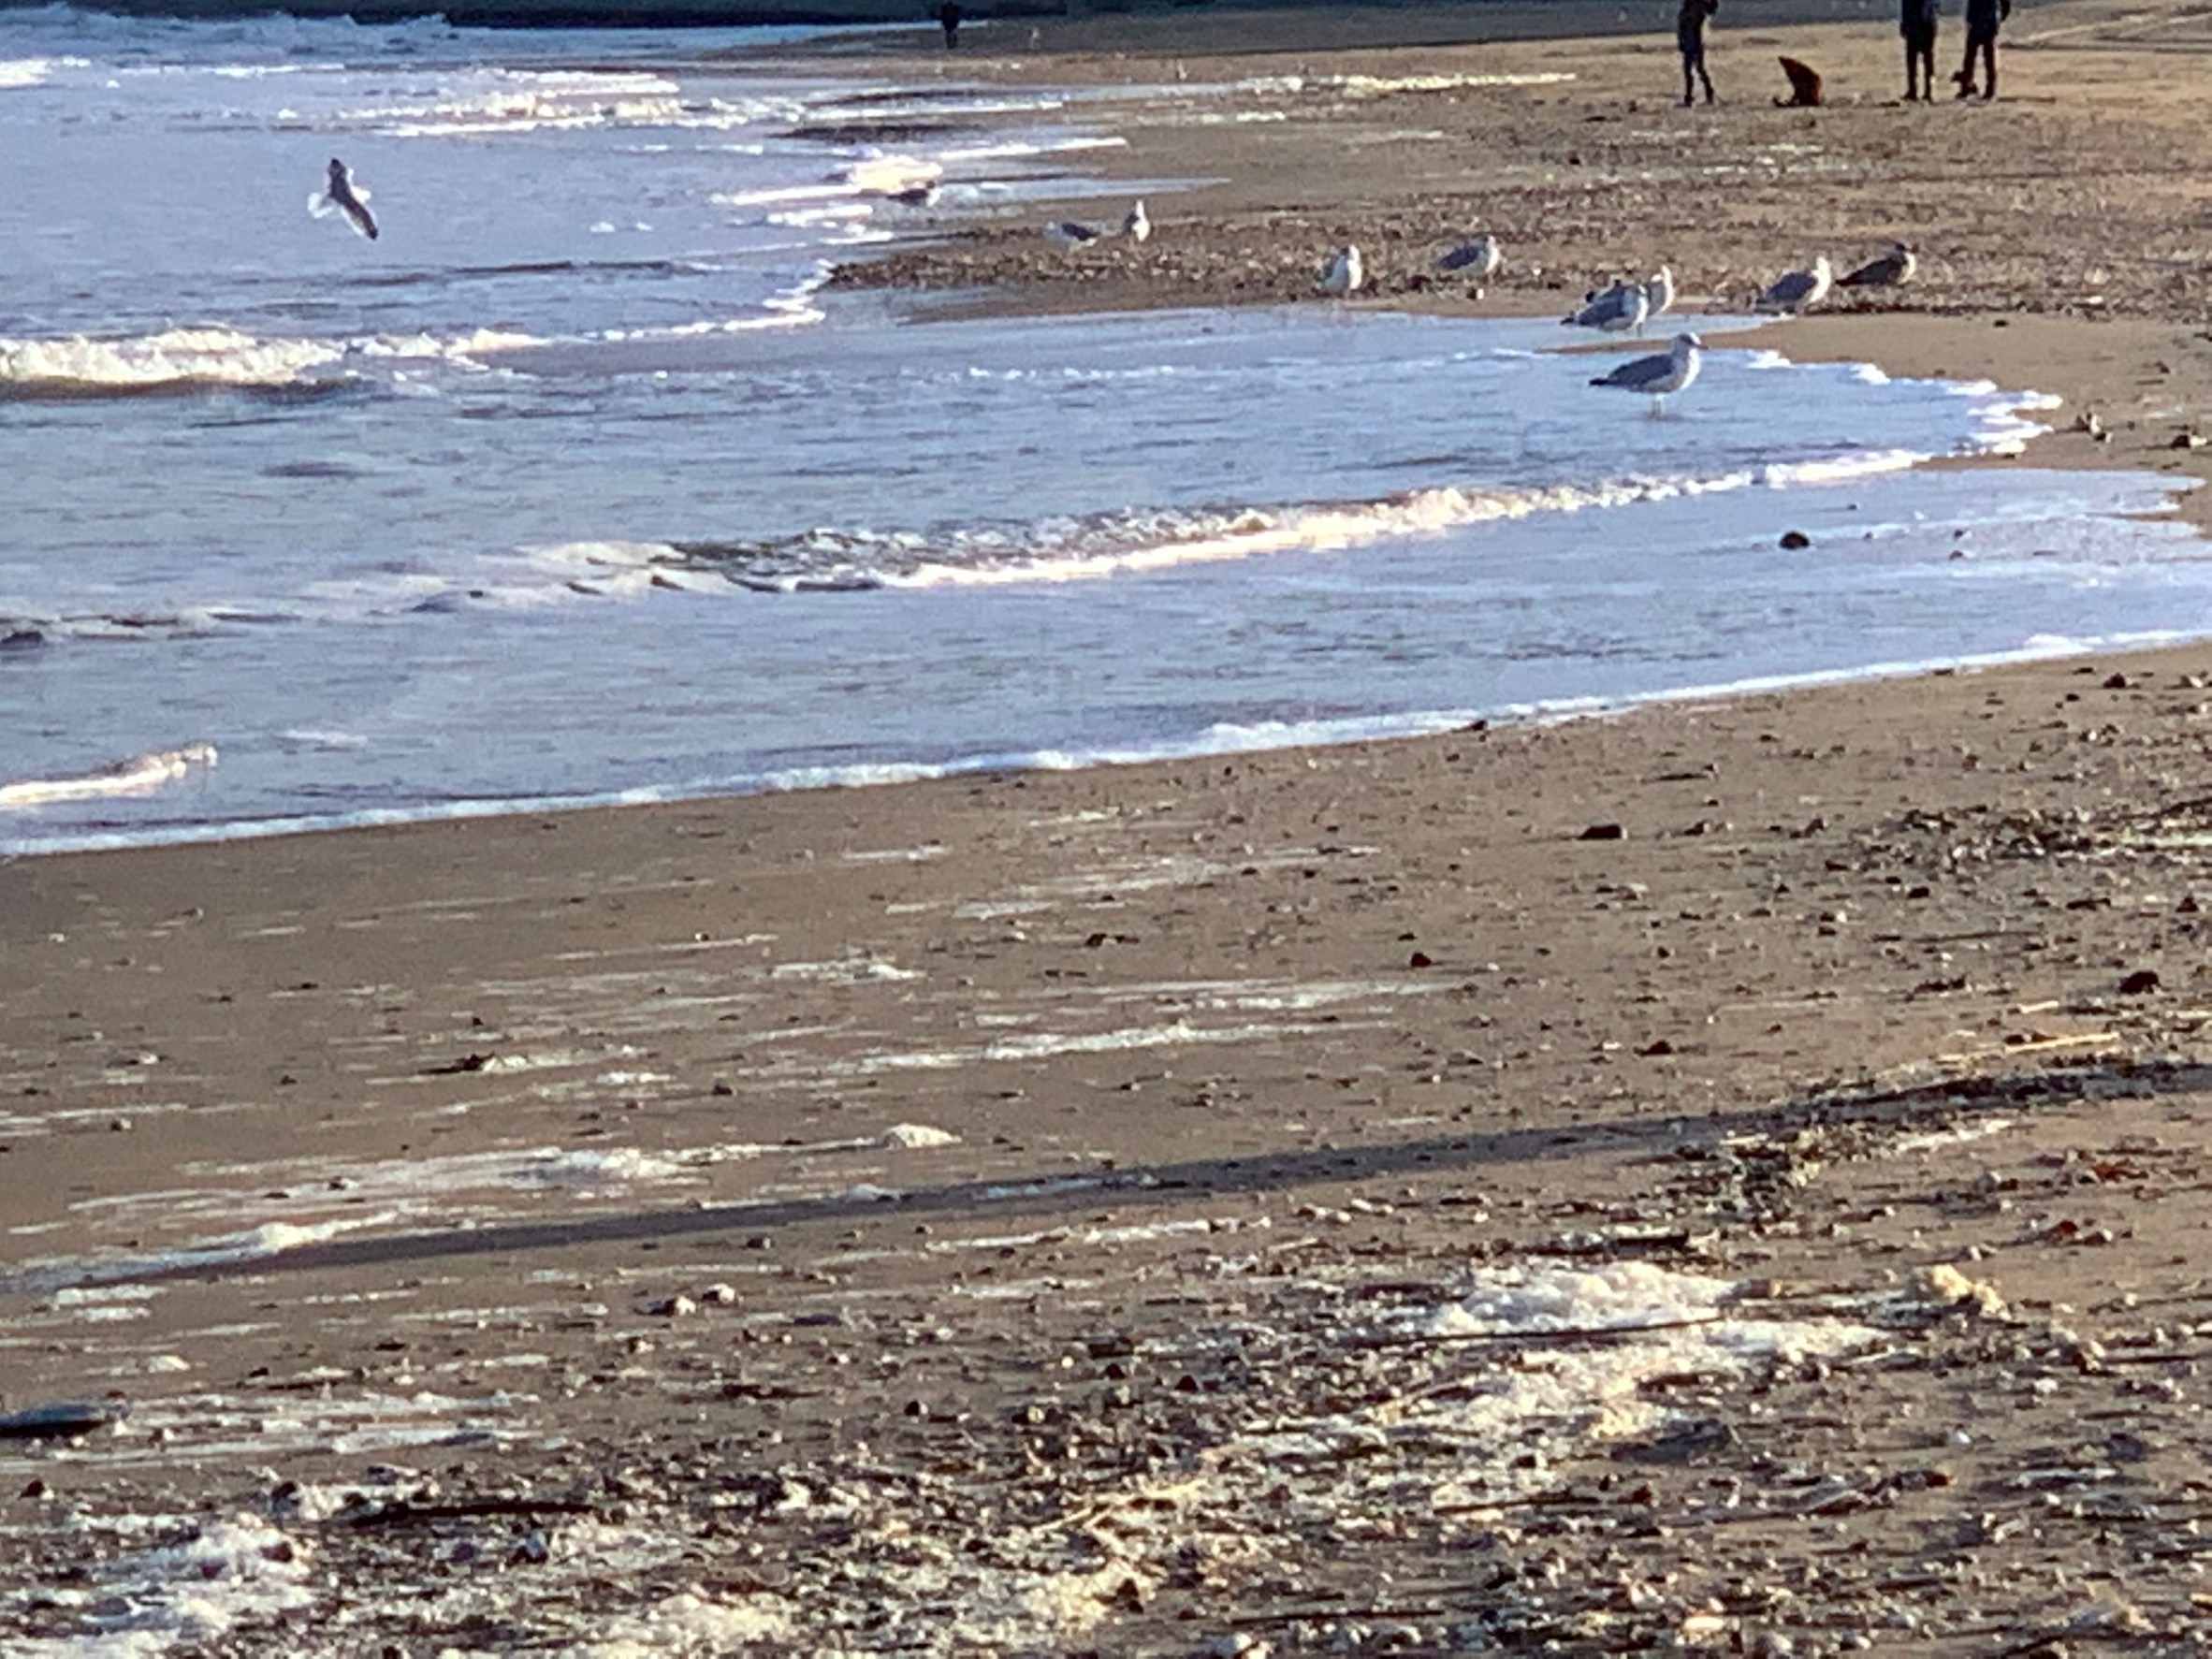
[
  {"x": 342, "y": 196},
  {"x": 1799, "y": 290},
  {"x": 1659, "y": 375},
  {"x": 1342, "y": 273}
]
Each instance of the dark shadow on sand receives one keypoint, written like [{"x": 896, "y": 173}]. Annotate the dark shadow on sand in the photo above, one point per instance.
[{"x": 1045, "y": 1195}]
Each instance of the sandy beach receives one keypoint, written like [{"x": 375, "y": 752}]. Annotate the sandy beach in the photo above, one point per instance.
[{"x": 1722, "y": 1175}]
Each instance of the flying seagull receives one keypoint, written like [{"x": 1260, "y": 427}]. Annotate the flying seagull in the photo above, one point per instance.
[
  {"x": 1136, "y": 227},
  {"x": 1660, "y": 374},
  {"x": 1892, "y": 269},
  {"x": 342, "y": 196},
  {"x": 1479, "y": 257},
  {"x": 1797, "y": 290},
  {"x": 1341, "y": 273}
]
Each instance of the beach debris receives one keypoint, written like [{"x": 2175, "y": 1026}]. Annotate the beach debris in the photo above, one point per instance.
[
  {"x": 1478, "y": 257},
  {"x": 1135, "y": 226},
  {"x": 1603, "y": 832},
  {"x": 1796, "y": 541},
  {"x": 1342, "y": 273},
  {"x": 1892, "y": 269},
  {"x": 1947, "y": 1286},
  {"x": 2091, "y": 426},
  {"x": 1660, "y": 374},
  {"x": 60, "y": 1420},
  {"x": 2181, "y": 441},
  {"x": 1074, "y": 233},
  {"x": 1794, "y": 291},
  {"x": 2140, "y": 983}
]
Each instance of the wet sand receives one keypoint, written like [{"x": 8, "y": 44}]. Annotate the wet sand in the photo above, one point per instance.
[{"x": 1041, "y": 1213}]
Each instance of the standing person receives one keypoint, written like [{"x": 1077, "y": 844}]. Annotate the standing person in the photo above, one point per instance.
[
  {"x": 948, "y": 17},
  {"x": 1916, "y": 23},
  {"x": 1688, "y": 37},
  {"x": 1982, "y": 18}
]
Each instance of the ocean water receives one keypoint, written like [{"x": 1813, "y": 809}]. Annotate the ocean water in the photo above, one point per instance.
[{"x": 573, "y": 485}]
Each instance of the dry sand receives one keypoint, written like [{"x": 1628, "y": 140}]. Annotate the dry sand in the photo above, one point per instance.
[{"x": 1036, "y": 1213}]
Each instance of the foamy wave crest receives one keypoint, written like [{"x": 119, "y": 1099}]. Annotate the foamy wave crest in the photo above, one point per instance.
[
  {"x": 22, "y": 72},
  {"x": 1121, "y": 543},
  {"x": 140, "y": 775},
  {"x": 82, "y": 366},
  {"x": 217, "y": 356}
]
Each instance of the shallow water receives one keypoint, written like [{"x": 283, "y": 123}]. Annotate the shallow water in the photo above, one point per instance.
[{"x": 571, "y": 486}]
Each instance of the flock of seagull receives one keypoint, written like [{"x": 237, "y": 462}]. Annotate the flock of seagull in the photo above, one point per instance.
[{"x": 1622, "y": 307}]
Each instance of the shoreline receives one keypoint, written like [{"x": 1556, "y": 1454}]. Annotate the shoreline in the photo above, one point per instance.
[{"x": 1726, "y": 1174}]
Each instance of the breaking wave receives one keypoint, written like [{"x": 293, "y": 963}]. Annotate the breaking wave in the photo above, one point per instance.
[{"x": 139, "y": 776}]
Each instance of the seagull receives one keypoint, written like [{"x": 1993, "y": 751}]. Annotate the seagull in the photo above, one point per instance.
[
  {"x": 1617, "y": 310},
  {"x": 1663, "y": 372},
  {"x": 340, "y": 196},
  {"x": 1341, "y": 273},
  {"x": 1892, "y": 269},
  {"x": 1797, "y": 290},
  {"x": 1479, "y": 257},
  {"x": 1068, "y": 233},
  {"x": 1659, "y": 291},
  {"x": 1136, "y": 227}
]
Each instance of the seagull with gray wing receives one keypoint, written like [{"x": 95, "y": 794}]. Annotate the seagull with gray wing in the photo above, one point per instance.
[
  {"x": 1658, "y": 376},
  {"x": 1797, "y": 290},
  {"x": 342, "y": 196},
  {"x": 1892, "y": 269}
]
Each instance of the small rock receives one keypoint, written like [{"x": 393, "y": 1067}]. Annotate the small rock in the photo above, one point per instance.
[
  {"x": 2140, "y": 983},
  {"x": 674, "y": 1307},
  {"x": 1420, "y": 959},
  {"x": 2187, "y": 440},
  {"x": 1603, "y": 832},
  {"x": 1796, "y": 541}
]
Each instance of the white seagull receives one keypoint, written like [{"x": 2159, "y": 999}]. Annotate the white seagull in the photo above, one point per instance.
[
  {"x": 1797, "y": 290},
  {"x": 1341, "y": 273},
  {"x": 1137, "y": 227},
  {"x": 1892, "y": 269},
  {"x": 1659, "y": 375},
  {"x": 1479, "y": 257},
  {"x": 1617, "y": 310},
  {"x": 1070, "y": 233},
  {"x": 343, "y": 195}
]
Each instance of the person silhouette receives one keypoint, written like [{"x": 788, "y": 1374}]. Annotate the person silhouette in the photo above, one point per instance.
[
  {"x": 1689, "y": 38},
  {"x": 1982, "y": 19},
  {"x": 1916, "y": 23},
  {"x": 948, "y": 17}
]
